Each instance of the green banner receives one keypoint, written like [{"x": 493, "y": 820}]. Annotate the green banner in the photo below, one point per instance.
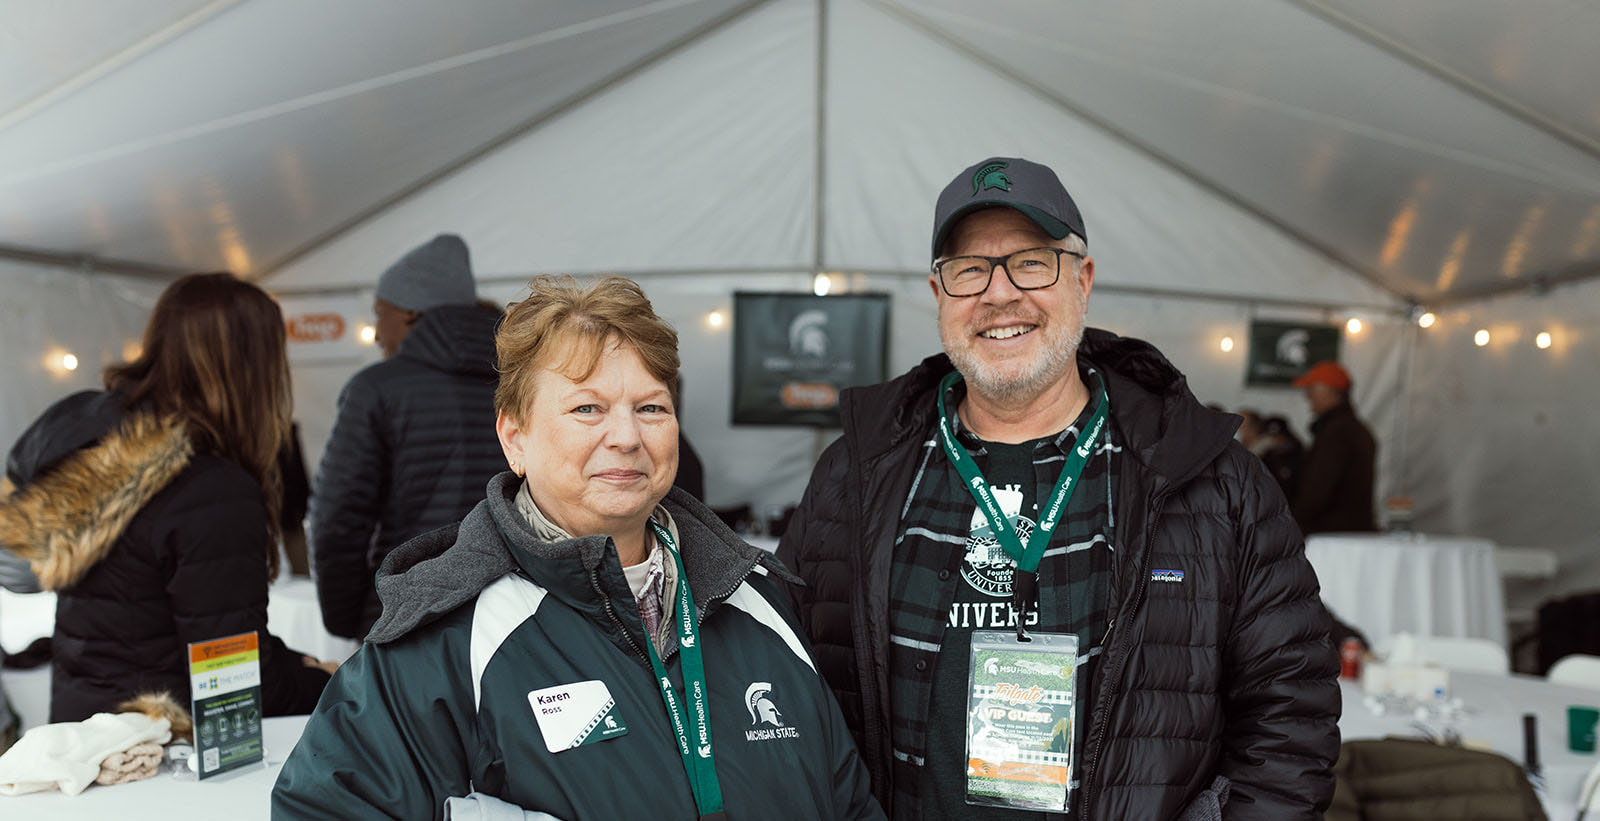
[
  {"x": 794, "y": 353},
  {"x": 1281, "y": 351}
]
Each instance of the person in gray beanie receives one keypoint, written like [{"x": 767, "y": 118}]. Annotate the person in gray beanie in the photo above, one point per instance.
[
  {"x": 413, "y": 443},
  {"x": 438, "y": 272}
]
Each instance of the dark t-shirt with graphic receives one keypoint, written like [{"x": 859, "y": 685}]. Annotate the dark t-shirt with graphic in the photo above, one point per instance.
[{"x": 943, "y": 530}]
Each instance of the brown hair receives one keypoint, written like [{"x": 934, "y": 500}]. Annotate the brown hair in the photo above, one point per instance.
[
  {"x": 565, "y": 328},
  {"x": 214, "y": 356}
]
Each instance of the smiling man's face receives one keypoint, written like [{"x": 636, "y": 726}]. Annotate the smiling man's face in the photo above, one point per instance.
[{"x": 1009, "y": 344}]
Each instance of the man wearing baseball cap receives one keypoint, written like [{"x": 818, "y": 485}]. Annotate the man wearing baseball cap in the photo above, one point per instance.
[
  {"x": 1335, "y": 487},
  {"x": 1040, "y": 575},
  {"x": 413, "y": 441}
]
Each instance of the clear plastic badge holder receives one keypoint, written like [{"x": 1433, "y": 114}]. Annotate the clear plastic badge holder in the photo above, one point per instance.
[{"x": 1021, "y": 710}]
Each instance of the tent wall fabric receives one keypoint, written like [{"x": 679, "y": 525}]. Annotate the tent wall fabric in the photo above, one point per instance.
[
  {"x": 1282, "y": 159},
  {"x": 1503, "y": 440},
  {"x": 701, "y": 164},
  {"x": 48, "y": 313}
]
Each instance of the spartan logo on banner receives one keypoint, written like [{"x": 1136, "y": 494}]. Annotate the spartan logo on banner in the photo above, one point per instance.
[
  {"x": 794, "y": 353},
  {"x": 1281, "y": 351}
]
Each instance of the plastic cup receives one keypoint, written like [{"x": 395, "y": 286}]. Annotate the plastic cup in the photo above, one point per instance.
[{"x": 1580, "y": 728}]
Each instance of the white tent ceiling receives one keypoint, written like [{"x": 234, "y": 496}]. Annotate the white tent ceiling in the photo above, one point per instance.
[
  {"x": 1439, "y": 148},
  {"x": 1300, "y": 157}
]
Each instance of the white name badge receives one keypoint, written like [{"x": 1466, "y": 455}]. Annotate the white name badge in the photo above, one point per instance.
[{"x": 572, "y": 715}]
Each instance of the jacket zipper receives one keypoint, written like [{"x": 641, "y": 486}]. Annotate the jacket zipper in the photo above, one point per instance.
[
  {"x": 1113, "y": 676},
  {"x": 611, "y": 611}
]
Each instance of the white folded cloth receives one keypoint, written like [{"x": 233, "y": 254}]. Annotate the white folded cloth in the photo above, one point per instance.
[
  {"x": 481, "y": 807},
  {"x": 68, "y": 755}
]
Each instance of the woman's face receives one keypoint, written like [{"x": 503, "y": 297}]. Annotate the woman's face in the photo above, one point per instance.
[{"x": 599, "y": 454}]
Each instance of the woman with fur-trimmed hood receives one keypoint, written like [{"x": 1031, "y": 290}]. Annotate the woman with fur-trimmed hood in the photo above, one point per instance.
[{"x": 150, "y": 507}]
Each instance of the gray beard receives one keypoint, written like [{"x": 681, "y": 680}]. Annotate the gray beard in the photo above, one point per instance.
[{"x": 996, "y": 386}]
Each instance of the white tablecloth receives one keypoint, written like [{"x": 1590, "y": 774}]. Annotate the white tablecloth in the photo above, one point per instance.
[
  {"x": 25, "y": 617},
  {"x": 241, "y": 795},
  {"x": 1428, "y": 585},
  {"x": 1493, "y": 708},
  {"x": 294, "y": 615}
]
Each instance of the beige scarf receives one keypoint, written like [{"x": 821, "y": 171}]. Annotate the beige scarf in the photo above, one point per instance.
[{"x": 549, "y": 531}]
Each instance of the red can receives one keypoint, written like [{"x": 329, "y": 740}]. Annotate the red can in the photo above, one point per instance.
[{"x": 1350, "y": 658}]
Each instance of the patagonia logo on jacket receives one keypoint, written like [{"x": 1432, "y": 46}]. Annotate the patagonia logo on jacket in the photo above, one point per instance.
[{"x": 1167, "y": 576}]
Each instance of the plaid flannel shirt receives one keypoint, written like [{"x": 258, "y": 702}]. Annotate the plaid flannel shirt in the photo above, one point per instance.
[{"x": 1074, "y": 578}]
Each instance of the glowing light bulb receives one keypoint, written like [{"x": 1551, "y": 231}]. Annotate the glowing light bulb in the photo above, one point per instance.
[
  {"x": 1226, "y": 344},
  {"x": 1353, "y": 326},
  {"x": 1426, "y": 320},
  {"x": 715, "y": 319},
  {"x": 69, "y": 362},
  {"x": 1481, "y": 338},
  {"x": 1542, "y": 340},
  {"x": 368, "y": 334},
  {"x": 821, "y": 285}
]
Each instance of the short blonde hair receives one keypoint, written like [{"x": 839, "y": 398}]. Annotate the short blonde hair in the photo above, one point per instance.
[{"x": 565, "y": 328}]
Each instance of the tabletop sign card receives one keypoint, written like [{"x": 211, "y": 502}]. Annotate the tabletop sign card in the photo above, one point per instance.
[{"x": 225, "y": 680}]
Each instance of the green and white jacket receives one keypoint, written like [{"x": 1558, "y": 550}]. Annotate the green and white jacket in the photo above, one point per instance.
[{"x": 496, "y": 647}]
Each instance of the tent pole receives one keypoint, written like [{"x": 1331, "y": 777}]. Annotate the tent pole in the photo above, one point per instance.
[
  {"x": 820, "y": 438},
  {"x": 88, "y": 264},
  {"x": 1252, "y": 301}
]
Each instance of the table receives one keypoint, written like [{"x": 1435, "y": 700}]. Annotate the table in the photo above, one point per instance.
[
  {"x": 1494, "y": 706},
  {"x": 294, "y": 615},
  {"x": 1384, "y": 584},
  {"x": 241, "y": 795},
  {"x": 25, "y": 617}
]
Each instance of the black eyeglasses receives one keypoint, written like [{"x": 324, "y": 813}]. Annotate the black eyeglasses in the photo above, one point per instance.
[{"x": 1029, "y": 269}]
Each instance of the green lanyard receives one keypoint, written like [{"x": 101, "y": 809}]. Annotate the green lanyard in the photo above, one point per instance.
[
  {"x": 1024, "y": 579},
  {"x": 697, "y": 761}
]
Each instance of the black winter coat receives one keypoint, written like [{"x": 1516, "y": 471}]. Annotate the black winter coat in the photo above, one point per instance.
[
  {"x": 149, "y": 545},
  {"x": 1229, "y": 673},
  {"x": 412, "y": 448},
  {"x": 1336, "y": 479}
]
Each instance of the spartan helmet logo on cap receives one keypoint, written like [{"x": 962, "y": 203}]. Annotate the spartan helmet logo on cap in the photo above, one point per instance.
[
  {"x": 989, "y": 176},
  {"x": 762, "y": 710}
]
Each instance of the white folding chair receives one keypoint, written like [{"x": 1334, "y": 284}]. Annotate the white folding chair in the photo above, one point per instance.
[
  {"x": 1453, "y": 653},
  {"x": 1467, "y": 655},
  {"x": 1577, "y": 670}
]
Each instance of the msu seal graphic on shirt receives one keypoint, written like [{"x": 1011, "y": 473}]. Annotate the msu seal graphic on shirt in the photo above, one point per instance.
[{"x": 987, "y": 566}]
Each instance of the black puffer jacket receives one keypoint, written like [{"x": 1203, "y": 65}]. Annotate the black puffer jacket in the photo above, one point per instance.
[
  {"x": 411, "y": 449},
  {"x": 1337, "y": 475},
  {"x": 149, "y": 545},
  {"x": 1229, "y": 672}
]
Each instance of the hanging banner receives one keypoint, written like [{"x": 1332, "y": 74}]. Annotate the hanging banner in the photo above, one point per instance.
[
  {"x": 794, "y": 353},
  {"x": 1281, "y": 351},
  {"x": 326, "y": 328}
]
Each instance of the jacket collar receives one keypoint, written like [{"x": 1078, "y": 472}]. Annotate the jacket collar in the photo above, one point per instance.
[
  {"x": 433, "y": 574},
  {"x": 1168, "y": 430}
]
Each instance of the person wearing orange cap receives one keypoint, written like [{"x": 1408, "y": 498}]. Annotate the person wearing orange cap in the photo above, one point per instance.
[{"x": 1336, "y": 478}]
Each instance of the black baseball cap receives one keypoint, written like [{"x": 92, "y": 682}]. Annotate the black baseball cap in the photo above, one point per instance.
[{"x": 1026, "y": 186}]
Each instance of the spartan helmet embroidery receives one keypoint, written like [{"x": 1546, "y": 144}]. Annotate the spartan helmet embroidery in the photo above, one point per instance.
[
  {"x": 762, "y": 710},
  {"x": 989, "y": 176}
]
